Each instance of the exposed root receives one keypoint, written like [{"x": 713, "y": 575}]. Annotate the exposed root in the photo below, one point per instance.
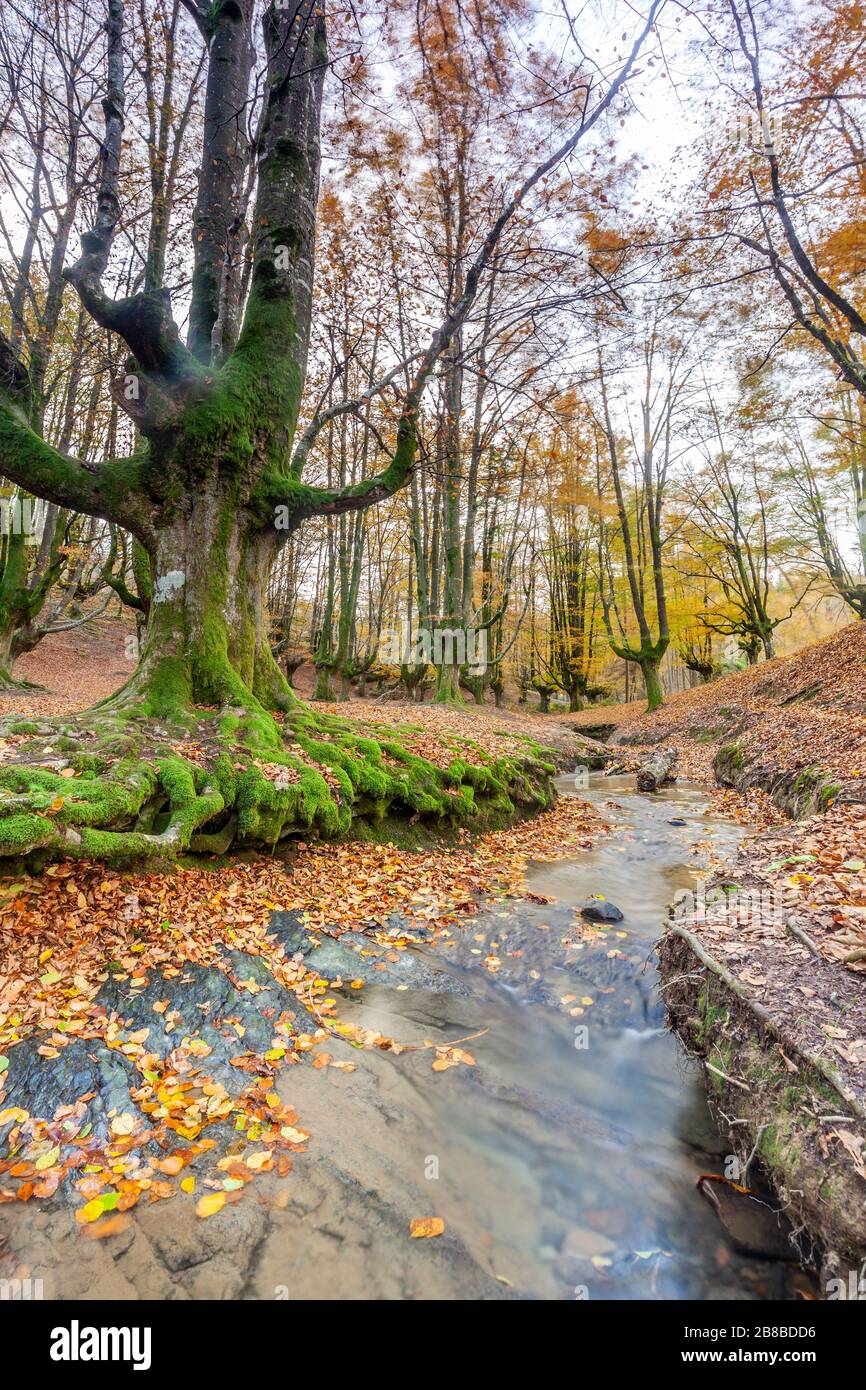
[
  {"x": 11, "y": 685},
  {"x": 118, "y": 784}
]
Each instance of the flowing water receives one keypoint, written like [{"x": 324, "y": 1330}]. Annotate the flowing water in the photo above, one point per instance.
[{"x": 563, "y": 1163}]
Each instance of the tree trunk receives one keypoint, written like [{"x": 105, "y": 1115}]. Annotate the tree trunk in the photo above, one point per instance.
[
  {"x": 7, "y": 659},
  {"x": 206, "y": 641},
  {"x": 657, "y": 770},
  {"x": 447, "y": 681},
  {"x": 654, "y": 692}
]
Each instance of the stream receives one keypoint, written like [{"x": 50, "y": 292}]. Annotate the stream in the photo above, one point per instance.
[{"x": 563, "y": 1164}]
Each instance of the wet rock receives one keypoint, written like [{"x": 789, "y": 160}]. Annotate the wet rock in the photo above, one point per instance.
[
  {"x": 753, "y": 1227},
  {"x": 600, "y": 910},
  {"x": 354, "y": 956},
  {"x": 677, "y": 820},
  {"x": 41, "y": 1084},
  {"x": 581, "y": 1244},
  {"x": 200, "y": 1001}
]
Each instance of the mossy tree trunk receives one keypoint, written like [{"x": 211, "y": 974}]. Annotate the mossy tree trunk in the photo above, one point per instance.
[
  {"x": 644, "y": 571},
  {"x": 206, "y": 640},
  {"x": 649, "y": 667},
  {"x": 27, "y": 575}
]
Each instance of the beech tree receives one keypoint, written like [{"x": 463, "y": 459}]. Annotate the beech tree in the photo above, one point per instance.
[
  {"x": 216, "y": 482},
  {"x": 639, "y": 526},
  {"x": 816, "y": 273}
]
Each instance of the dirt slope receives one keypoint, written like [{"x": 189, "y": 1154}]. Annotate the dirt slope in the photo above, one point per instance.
[{"x": 797, "y": 712}]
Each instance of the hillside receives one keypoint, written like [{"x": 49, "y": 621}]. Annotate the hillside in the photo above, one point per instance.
[{"x": 806, "y": 711}]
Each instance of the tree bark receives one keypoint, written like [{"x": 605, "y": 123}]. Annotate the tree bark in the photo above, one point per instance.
[{"x": 206, "y": 640}]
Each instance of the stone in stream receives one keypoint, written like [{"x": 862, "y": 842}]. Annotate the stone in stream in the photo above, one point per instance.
[
  {"x": 600, "y": 910},
  {"x": 583, "y": 1244},
  {"x": 84, "y": 1067}
]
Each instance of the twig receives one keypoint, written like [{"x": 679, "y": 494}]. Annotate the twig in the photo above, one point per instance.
[
  {"x": 724, "y": 1075},
  {"x": 754, "y": 1151},
  {"x": 422, "y": 1047},
  {"x": 794, "y": 930}
]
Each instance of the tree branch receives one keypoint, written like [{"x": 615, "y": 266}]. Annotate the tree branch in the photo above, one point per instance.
[
  {"x": 105, "y": 490},
  {"x": 144, "y": 321},
  {"x": 328, "y": 502}
]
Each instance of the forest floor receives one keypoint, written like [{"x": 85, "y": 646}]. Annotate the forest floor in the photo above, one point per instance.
[
  {"x": 93, "y": 958},
  {"x": 109, "y": 981}
]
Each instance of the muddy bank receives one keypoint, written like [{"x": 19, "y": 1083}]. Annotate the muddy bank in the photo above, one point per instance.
[
  {"x": 799, "y": 792},
  {"x": 779, "y": 1103},
  {"x": 764, "y": 979}
]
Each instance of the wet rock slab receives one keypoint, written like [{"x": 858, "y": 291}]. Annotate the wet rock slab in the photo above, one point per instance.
[{"x": 354, "y": 956}]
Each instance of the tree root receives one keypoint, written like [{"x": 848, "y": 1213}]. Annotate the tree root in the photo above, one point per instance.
[
  {"x": 12, "y": 685},
  {"x": 119, "y": 785}
]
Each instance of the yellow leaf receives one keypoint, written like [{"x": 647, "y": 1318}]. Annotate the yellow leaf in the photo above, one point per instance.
[
  {"x": 91, "y": 1212},
  {"x": 294, "y": 1136},
  {"x": 426, "y": 1226},
  {"x": 187, "y": 1184},
  {"x": 210, "y": 1204}
]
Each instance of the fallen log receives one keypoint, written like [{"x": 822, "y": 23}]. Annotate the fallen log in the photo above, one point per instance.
[{"x": 657, "y": 770}]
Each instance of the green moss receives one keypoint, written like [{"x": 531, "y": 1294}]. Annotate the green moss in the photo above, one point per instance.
[{"x": 136, "y": 796}]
